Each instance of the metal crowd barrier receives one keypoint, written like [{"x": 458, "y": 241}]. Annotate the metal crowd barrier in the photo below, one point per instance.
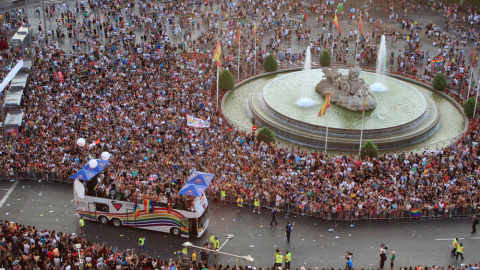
[
  {"x": 288, "y": 208},
  {"x": 364, "y": 214}
]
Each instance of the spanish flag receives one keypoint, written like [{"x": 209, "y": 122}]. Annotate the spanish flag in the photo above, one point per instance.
[
  {"x": 237, "y": 39},
  {"x": 335, "y": 21},
  {"x": 360, "y": 25},
  {"x": 474, "y": 56},
  {"x": 216, "y": 55},
  {"x": 364, "y": 106},
  {"x": 255, "y": 28},
  {"x": 325, "y": 106},
  {"x": 136, "y": 210}
]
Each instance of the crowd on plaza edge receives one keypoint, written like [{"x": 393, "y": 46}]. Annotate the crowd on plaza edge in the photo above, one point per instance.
[
  {"x": 26, "y": 247},
  {"x": 131, "y": 98}
]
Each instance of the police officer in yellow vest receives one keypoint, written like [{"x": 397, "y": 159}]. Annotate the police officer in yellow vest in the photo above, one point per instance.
[
  {"x": 141, "y": 242},
  {"x": 212, "y": 241},
  {"x": 256, "y": 204},
  {"x": 239, "y": 204},
  {"x": 288, "y": 258},
  {"x": 217, "y": 243},
  {"x": 185, "y": 253},
  {"x": 223, "y": 196},
  {"x": 460, "y": 251},
  {"x": 278, "y": 259},
  {"x": 455, "y": 245},
  {"x": 81, "y": 222}
]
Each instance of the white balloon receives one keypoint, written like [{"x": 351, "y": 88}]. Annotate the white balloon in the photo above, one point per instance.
[
  {"x": 81, "y": 142},
  {"x": 93, "y": 163},
  {"x": 105, "y": 155}
]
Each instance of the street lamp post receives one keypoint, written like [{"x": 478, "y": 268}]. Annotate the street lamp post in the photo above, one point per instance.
[
  {"x": 247, "y": 258},
  {"x": 80, "y": 263}
]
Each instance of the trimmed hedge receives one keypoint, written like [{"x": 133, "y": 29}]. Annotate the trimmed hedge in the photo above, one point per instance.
[
  {"x": 270, "y": 63},
  {"x": 226, "y": 80},
  {"x": 369, "y": 149},
  {"x": 266, "y": 135},
  {"x": 468, "y": 106},
  {"x": 439, "y": 82},
  {"x": 325, "y": 59}
]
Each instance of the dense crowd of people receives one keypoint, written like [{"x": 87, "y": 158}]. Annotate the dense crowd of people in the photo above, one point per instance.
[
  {"x": 26, "y": 247},
  {"x": 127, "y": 88}
]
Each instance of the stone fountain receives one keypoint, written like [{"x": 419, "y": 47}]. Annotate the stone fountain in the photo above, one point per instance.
[{"x": 346, "y": 91}]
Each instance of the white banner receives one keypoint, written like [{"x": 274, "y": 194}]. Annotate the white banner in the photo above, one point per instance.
[
  {"x": 197, "y": 122},
  {"x": 11, "y": 75}
]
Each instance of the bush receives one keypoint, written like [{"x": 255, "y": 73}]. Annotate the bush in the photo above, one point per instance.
[
  {"x": 226, "y": 80},
  {"x": 325, "y": 59},
  {"x": 439, "y": 82},
  {"x": 369, "y": 149},
  {"x": 270, "y": 63},
  {"x": 266, "y": 135},
  {"x": 468, "y": 106}
]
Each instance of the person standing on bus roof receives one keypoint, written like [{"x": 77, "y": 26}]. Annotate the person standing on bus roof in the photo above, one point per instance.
[
  {"x": 81, "y": 222},
  {"x": 239, "y": 204}
]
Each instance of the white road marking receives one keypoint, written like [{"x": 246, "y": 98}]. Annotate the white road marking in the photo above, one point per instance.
[
  {"x": 8, "y": 193},
  {"x": 449, "y": 239},
  {"x": 475, "y": 238}
]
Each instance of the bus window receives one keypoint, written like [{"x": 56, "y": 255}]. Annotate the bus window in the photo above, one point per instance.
[
  {"x": 202, "y": 220},
  {"x": 101, "y": 207}
]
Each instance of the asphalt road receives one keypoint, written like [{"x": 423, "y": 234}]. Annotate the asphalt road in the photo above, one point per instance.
[{"x": 426, "y": 242}]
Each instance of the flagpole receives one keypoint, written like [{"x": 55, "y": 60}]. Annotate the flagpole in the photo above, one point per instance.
[
  {"x": 326, "y": 136},
  {"x": 361, "y": 131},
  {"x": 217, "y": 85},
  {"x": 255, "y": 61},
  {"x": 469, "y": 83},
  {"x": 238, "y": 69},
  {"x": 476, "y": 100}
]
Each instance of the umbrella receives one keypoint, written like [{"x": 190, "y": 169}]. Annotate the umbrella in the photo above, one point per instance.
[
  {"x": 200, "y": 178},
  {"x": 84, "y": 175},
  {"x": 192, "y": 190}
]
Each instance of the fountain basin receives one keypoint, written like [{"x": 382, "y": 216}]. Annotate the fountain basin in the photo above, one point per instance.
[{"x": 412, "y": 122}]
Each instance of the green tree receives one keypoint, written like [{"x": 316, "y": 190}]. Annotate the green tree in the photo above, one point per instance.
[
  {"x": 469, "y": 105},
  {"x": 266, "y": 135},
  {"x": 226, "y": 80},
  {"x": 439, "y": 82},
  {"x": 270, "y": 63},
  {"x": 369, "y": 149},
  {"x": 325, "y": 59}
]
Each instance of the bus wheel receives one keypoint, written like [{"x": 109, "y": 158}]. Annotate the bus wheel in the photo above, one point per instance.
[
  {"x": 117, "y": 222},
  {"x": 103, "y": 220},
  {"x": 175, "y": 231}
]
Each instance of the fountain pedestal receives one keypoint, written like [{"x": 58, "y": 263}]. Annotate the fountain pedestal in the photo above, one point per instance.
[{"x": 347, "y": 91}]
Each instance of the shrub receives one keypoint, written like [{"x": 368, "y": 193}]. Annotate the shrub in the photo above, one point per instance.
[
  {"x": 266, "y": 135},
  {"x": 270, "y": 63},
  {"x": 325, "y": 59},
  {"x": 226, "y": 80},
  {"x": 439, "y": 82},
  {"x": 468, "y": 106},
  {"x": 369, "y": 149}
]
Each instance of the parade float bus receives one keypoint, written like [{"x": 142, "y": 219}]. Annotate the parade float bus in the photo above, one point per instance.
[{"x": 183, "y": 222}]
